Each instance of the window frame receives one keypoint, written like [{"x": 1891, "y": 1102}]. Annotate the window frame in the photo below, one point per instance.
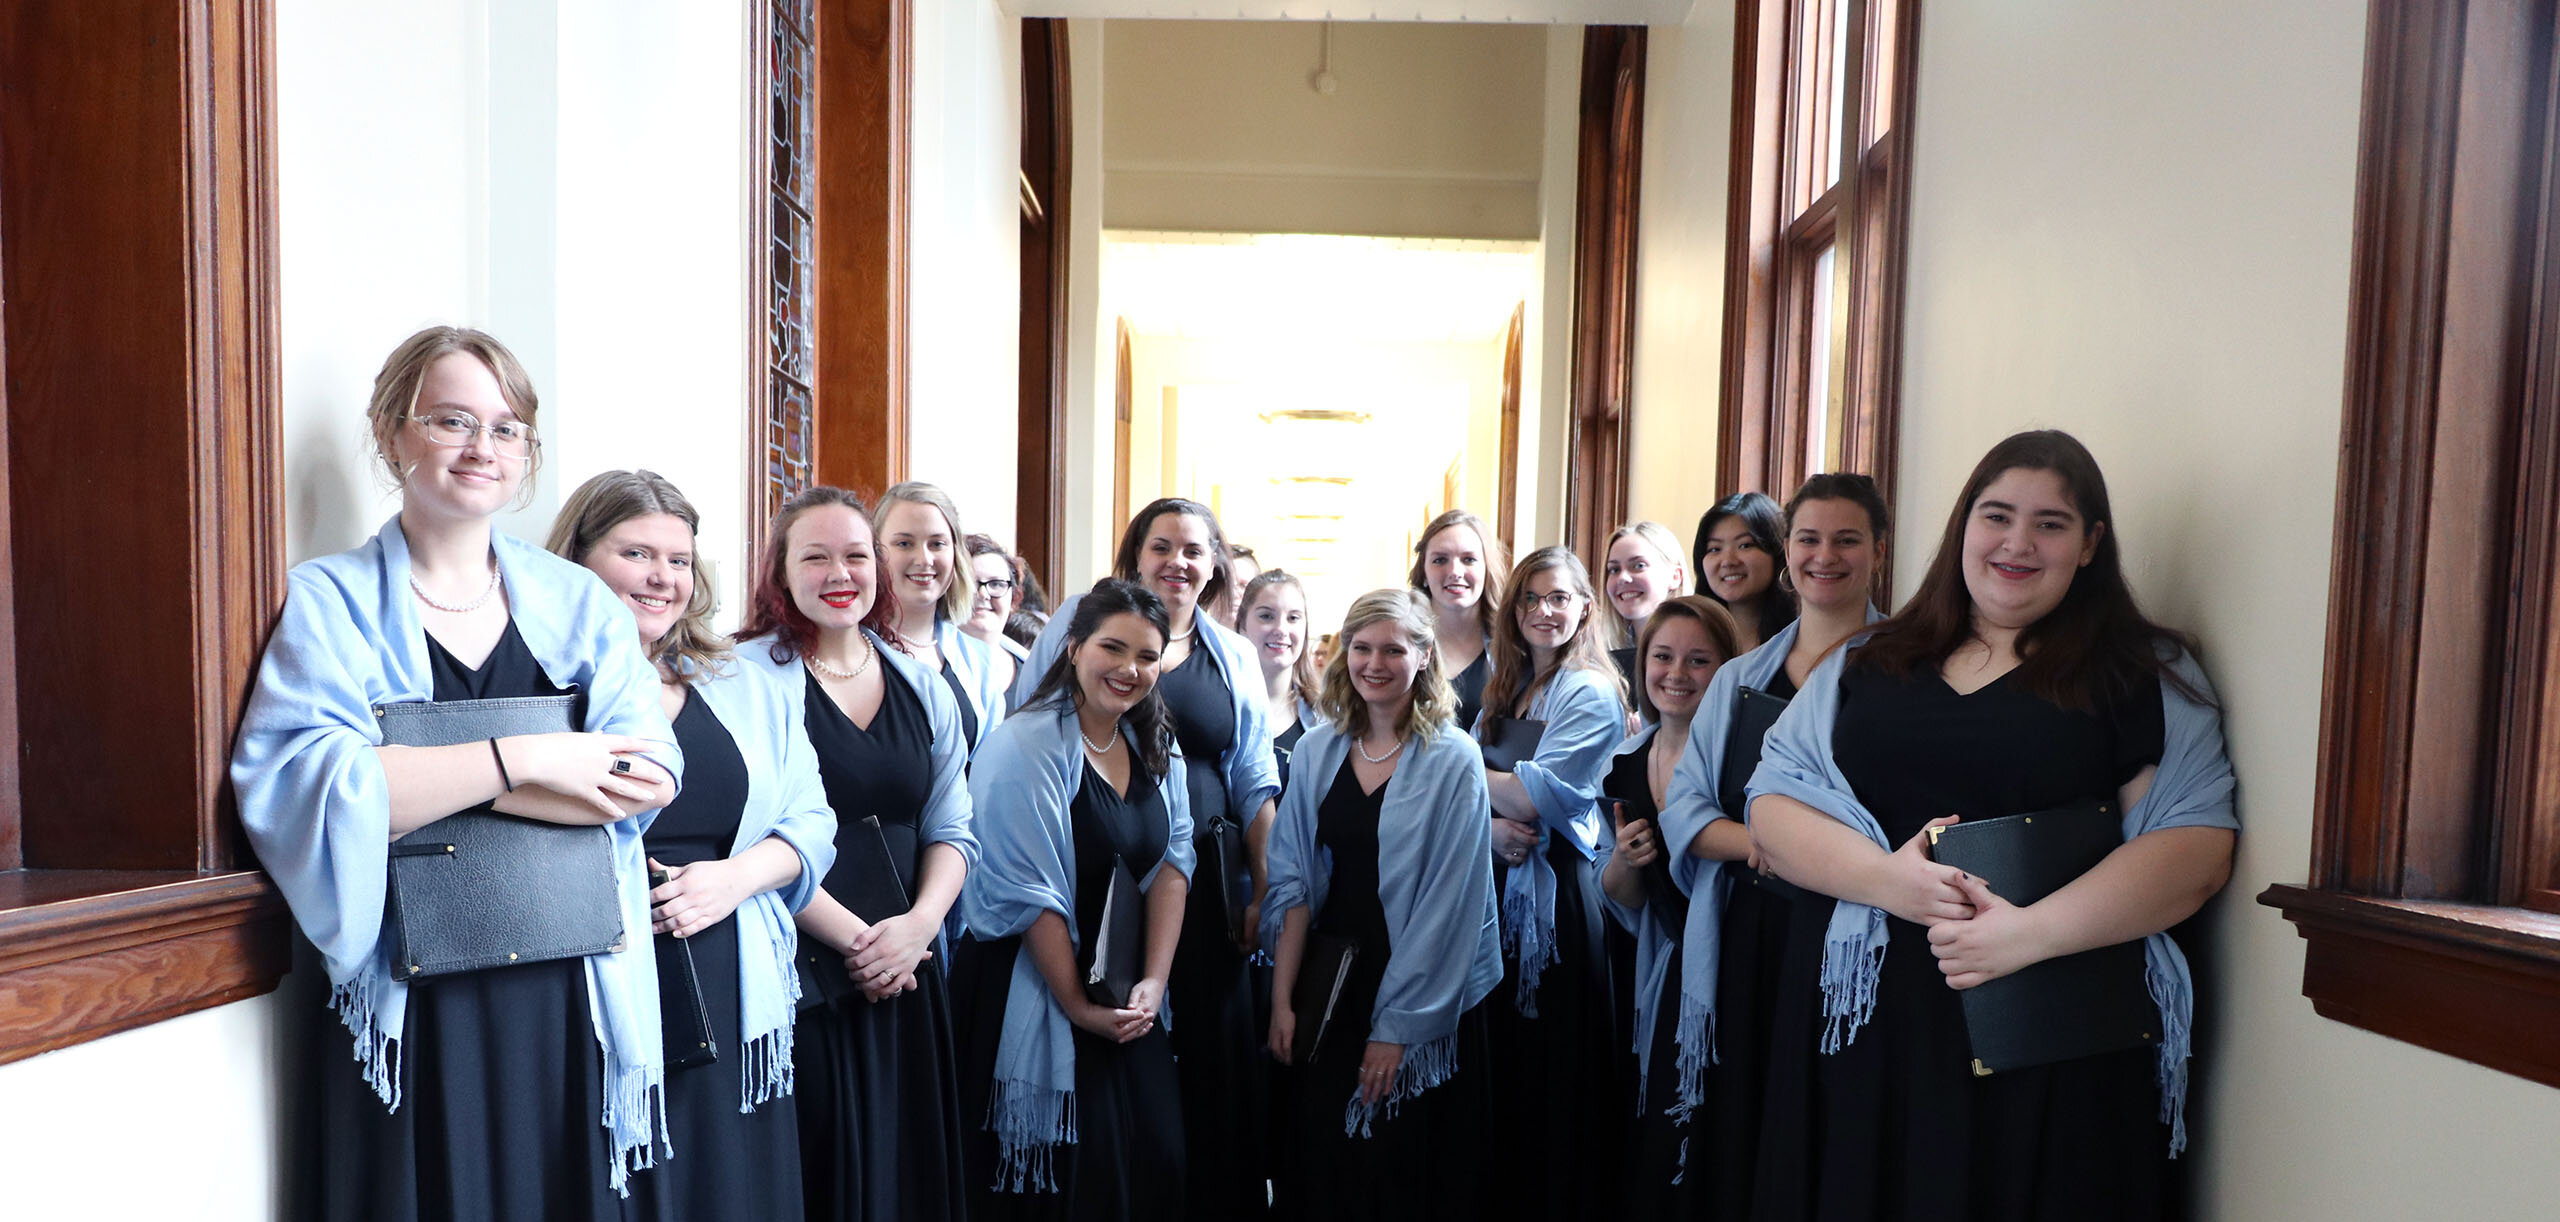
[
  {"x": 1781, "y": 133},
  {"x": 2430, "y": 914}
]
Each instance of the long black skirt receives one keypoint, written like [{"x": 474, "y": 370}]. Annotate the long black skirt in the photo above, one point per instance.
[
  {"x": 1661, "y": 1182},
  {"x": 500, "y": 1107},
  {"x": 1563, "y": 1091},
  {"x": 1425, "y": 1161},
  {"x": 879, "y": 1107},
  {"x": 729, "y": 1166},
  {"x": 1896, "y": 1126},
  {"x": 1127, "y": 1159},
  {"x": 1218, "y": 1033}
]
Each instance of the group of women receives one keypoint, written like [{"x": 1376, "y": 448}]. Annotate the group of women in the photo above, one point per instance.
[{"x": 1506, "y": 908}]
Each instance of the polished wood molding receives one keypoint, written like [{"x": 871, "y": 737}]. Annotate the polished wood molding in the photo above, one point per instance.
[
  {"x": 86, "y": 953},
  {"x": 1608, "y": 185},
  {"x": 2473, "y": 981},
  {"x": 1506, "y": 498},
  {"x": 1756, "y": 138},
  {"x": 1048, "y": 161},
  {"x": 865, "y": 70}
]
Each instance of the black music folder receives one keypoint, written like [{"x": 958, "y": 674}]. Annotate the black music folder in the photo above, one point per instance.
[
  {"x": 865, "y": 880},
  {"x": 1513, "y": 739},
  {"x": 2078, "y": 1005},
  {"x": 1322, "y": 973},
  {"x": 1117, "y": 960}
]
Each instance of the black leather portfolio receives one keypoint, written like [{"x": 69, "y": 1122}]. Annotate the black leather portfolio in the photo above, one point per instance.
[
  {"x": 2075, "y": 1006},
  {"x": 1221, "y": 852},
  {"x": 1511, "y": 740},
  {"x": 1322, "y": 973},
  {"x": 1117, "y": 960},
  {"x": 865, "y": 880},
  {"x": 481, "y": 889},
  {"x": 1663, "y": 900},
  {"x": 683, "y": 1016}
]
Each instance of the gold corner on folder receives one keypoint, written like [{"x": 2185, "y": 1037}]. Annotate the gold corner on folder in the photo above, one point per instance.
[
  {"x": 1933, "y": 836},
  {"x": 1979, "y": 1069}
]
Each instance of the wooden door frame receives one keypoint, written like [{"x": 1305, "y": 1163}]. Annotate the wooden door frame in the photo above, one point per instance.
[
  {"x": 1599, "y": 436},
  {"x": 1040, "y": 453}
]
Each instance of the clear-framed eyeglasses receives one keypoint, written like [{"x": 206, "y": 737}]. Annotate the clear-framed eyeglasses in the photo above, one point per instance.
[
  {"x": 1552, "y": 600},
  {"x": 510, "y": 438}
]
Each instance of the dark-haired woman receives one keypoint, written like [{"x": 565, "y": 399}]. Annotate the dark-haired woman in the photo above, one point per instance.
[
  {"x": 1076, "y": 1113},
  {"x": 1462, "y": 567},
  {"x": 742, "y": 847},
  {"x": 1563, "y": 1082},
  {"x": 525, "y": 1091},
  {"x": 1214, "y": 690},
  {"x": 990, "y": 605},
  {"x": 1733, "y": 939},
  {"x": 1382, "y": 844},
  {"x": 880, "y": 1117},
  {"x": 1736, "y": 559},
  {"x": 1681, "y": 647},
  {"x": 1272, "y": 615},
  {"x": 2021, "y": 678}
]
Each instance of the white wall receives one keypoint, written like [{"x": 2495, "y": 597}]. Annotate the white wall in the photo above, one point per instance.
[
  {"x": 1546, "y": 361},
  {"x": 1092, "y": 361},
  {"x": 964, "y": 264},
  {"x": 1680, "y": 268},
  {"x": 2133, "y": 223}
]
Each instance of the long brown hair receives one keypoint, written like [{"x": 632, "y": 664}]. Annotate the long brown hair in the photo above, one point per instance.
[
  {"x": 1134, "y": 540},
  {"x": 1302, "y": 673},
  {"x": 1497, "y": 565},
  {"x": 1511, "y": 682},
  {"x": 2095, "y": 645},
  {"x": 1150, "y": 718},
  {"x": 612, "y": 498},
  {"x": 770, "y": 611}
]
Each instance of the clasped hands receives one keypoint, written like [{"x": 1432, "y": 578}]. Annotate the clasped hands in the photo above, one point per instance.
[
  {"x": 1976, "y": 935},
  {"x": 1124, "y": 1023}
]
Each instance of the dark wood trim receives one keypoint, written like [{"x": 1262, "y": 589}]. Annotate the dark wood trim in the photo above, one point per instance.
[
  {"x": 1506, "y": 499},
  {"x": 1048, "y": 160},
  {"x": 137, "y": 294},
  {"x": 1878, "y": 258},
  {"x": 865, "y": 74},
  {"x": 11, "y": 857},
  {"x": 1745, "y": 421},
  {"x": 1609, "y": 167}
]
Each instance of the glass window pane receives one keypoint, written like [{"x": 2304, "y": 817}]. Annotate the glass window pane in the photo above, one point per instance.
[
  {"x": 1817, "y": 390},
  {"x": 1885, "y": 21},
  {"x": 1836, "y": 113}
]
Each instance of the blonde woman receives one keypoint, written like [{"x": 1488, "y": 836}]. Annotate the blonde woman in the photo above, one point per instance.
[
  {"x": 930, "y": 594},
  {"x": 1641, "y": 567},
  {"x": 742, "y": 850},
  {"x": 1461, "y": 566},
  {"x": 1272, "y": 615},
  {"x": 1382, "y": 845},
  {"x": 1552, "y": 711}
]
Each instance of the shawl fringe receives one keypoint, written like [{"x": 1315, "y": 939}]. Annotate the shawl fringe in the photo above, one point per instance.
[
  {"x": 1030, "y": 1122},
  {"x": 376, "y": 1050},
  {"x": 1852, "y": 968},
  {"x": 1529, "y": 925},
  {"x": 1424, "y": 1066},
  {"x": 1696, "y": 1039}
]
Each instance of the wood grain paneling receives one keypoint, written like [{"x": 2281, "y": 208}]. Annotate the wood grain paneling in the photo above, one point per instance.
[
  {"x": 865, "y": 50},
  {"x": 90, "y": 953},
  {"x": 1608, "y": 169}
]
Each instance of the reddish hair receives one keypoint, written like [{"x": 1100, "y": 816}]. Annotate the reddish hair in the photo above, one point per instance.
[{"x": 770, "y": 610}]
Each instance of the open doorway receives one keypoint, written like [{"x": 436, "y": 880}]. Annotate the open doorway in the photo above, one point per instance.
[{"x": 1325, "y": 395}]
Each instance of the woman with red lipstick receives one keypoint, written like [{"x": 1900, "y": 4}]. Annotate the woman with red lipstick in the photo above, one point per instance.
[
  {"x": 918, "y": 529},
  {"x": 1462, "y": 567},
  {"x": 533, "y": 1090},
  {"x": 1214, "y": 690},
  {"x": 1736, "y": 561},
  {"x": 1561, "y": 1079},
  {"x": 878, "y": 1079},
  {"x": 2022, "y": 677},
  {"x": 1076, "y": 1111},
  {"x": 1273, "y": 619},
  {"x": 741, "y": 848}
]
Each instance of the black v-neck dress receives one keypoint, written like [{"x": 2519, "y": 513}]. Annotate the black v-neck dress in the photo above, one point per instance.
[
  {"x": 1469, "y": 684},
  {"x": 1217, "y": 1032},
  {"x": 1127, "y": 1161},
  {"x": 501, "y": 1083},
  {"x": 729, "y": 1166},
  {"x": 1724, "y": 1157},
  {"x": 1895, "y": 1125},
  {"x": 878, "y": 1082}
]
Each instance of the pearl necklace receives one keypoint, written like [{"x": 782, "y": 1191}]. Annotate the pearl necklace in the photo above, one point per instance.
[
  {"x": 1363, "y": 749},
  {"x": 828, "y": 672},
  {"x": 464, "y": 609},
  {"x": 1104, "y": 749}
]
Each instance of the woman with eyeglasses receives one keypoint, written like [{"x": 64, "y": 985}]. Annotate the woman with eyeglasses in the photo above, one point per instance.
[
  {"x": 878, "y": 1071},
  {"x": 1213, "y": 689},
  {"x": 529, "y": 1090},
  {"x": 918, "y": 530},
  {"x": 1462, "y": 567},
  {"x": 739, "y": 852},
  {"x": 1552, "y": 710},
  {"x": 991, "y": 603}
]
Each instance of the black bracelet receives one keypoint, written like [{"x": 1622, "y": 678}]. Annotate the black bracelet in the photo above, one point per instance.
[{"x": 503, "y": 778}]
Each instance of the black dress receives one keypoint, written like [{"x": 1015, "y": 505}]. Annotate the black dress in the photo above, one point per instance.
[
  {"x": 729, "y": 1166},
  {"x": 878, "y": 1082},
  {"x": 1285, "y": 744},
  {"x": 1895, "y": 1125},
  {"x": 1753, "y": 934},
  {"x": 501, "y": 1084},
  {"x": 1657, "y": 1186},
  {"x": 1217, "y": 1040},
  {"x": 960, "y": 692},
  {"x": 1469, "y": 686},
  {"x": 1127, "y": 1159},
  {"x": 1425, "y": 1160}
]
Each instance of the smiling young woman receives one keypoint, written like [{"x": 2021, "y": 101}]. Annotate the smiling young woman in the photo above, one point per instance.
[
  {"x": 1641, "y": 568},
  {"x": 1272, "y": 615},
  {"x": 2022, "y": 677},
  {"x": 933, "y": 594},
  {"x": 530, "y": 1090},
  {"x": 1736, "y": 559},
  {"x": 1462, "y": 567}
]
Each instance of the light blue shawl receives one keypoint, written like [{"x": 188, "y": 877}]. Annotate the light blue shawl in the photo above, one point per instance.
[
  {"x": 2193, "y": 788},
  {"x": 317, "y": 809},
  {"x": 975, "y": 662},
  {"x": 767, "y": 718},
  {"x": 1252, "y": 776},
  {"x": 1584, "y": 718},
  {"x": 1025, "y": 780},
  {"x": 1435, "y": 881}
]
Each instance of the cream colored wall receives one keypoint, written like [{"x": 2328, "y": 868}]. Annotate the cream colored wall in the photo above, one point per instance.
[
  {"x": 1092, "y": 367},
  {"x": 1546, "y": 365},
  {"x": 1569, "y": 12},
  {"x": 1680, "y": 267},
  {"x": 1432, "y": 131},
  {"x": 2133, "y": 222}
]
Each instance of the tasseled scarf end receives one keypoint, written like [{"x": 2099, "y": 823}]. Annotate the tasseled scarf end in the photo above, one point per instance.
[
  {"x": 1696, "y": 1039},
  {"x": 1030, "y": 1123},
  {"x": 376, "y": 1050},
  {"x": 1529, "y": 939},
  {"x": 1424, "y": 1066},
  {"x": 635, "y": 1112},
  {"x": 1851, "y": 970}
]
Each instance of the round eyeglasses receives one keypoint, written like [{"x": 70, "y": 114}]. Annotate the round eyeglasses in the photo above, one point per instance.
[{"x": 510, "y": 438}]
